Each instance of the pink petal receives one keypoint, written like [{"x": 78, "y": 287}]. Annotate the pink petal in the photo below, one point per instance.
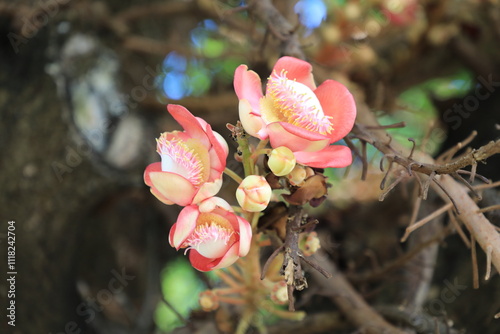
[
  {"x": 207, "y": 190},
  {"x": 297, "y": 69},
  {"x": 295, "y": 138},
  {"x": 210, "y": 204},
  {"x": 190, "y": 124},
  {"x": 155, "y": 167},
  {"x": 229, "y": 258},
  {"x": 252, "y": 123},
  {"x": 218, "y": 152},
  {"x": 202, "y": 122},
  {"x": 248, "y": 86},
  {"x": 223, "y": 144},
  {"x": 171, "y": 186},
  {"x": 171, "y": 236},
  {"x": 160, "y": 197},
  {"x": 182, "y": 229},
  {"x": 200, "y": 262},
  {"x": 245, "y": 231},
  {"x": 338, "y": 103},
  {"x": 331, "y": 156}
]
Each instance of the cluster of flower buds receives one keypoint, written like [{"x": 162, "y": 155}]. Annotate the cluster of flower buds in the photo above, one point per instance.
[{"x": 302, "y": 123}]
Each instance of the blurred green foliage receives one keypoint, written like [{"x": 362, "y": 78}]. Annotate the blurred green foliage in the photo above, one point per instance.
[
  {"x": 415, "y": 107},
  {"x": 180, "y": 287}
]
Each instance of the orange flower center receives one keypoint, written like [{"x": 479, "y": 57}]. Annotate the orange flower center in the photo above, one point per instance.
[{"x": 293, "y": 102}]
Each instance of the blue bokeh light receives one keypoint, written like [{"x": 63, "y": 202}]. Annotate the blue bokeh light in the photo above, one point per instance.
[
  {"x": 174, "y": 62},
  {"x": 311, "y": 13},
  {"x": 202, "y": 32},
  {"x": 175, "y": 85}
]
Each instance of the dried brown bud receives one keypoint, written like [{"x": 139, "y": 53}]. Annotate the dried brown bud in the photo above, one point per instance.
[{"x": 314, "y": 189}]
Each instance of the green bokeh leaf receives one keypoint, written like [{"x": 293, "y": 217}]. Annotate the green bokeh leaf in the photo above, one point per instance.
[
  {"x": 180, "y": 287},
  {"x": 213, "y": 48}
]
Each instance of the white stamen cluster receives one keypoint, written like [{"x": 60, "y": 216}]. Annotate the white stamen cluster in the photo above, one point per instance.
[
  {"x": 178, "y": 158},
  {"x": 297, "y": 104}
]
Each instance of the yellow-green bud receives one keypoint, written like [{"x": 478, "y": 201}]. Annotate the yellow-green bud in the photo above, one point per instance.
[
  {"x": 281, "y": 161},
  {"x": 254, "y": 193}
]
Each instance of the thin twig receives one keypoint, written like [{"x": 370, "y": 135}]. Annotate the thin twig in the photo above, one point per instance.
[
  {"x": 473, "y": 173},
  {"x": 489, "y": 208},
  {"x": 448, "y": 154},
  {"x": 382, "y": 183},
  {"x": 489, "y": 251},
  {"x": 392, "y": 186},
  {"x": 467, "y": 184},
  {"x": 425, "y": 220},
  {"x": 316, "y": 266},
  {"x": 365, "y": 161},
  {"x": 447, "y": 194},
  {"x": 475, "y": 271},
  {"x": 270, "y": 260},
  {"x": 458, "y": 228},
  {"x": 414, "y": 213},
  {"x": 487, "y": 186},
  {"x": 385, "y": 127}
]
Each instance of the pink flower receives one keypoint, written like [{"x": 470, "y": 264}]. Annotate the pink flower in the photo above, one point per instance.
[
  {"x": 296, "y": 114},
  {"x": 192, "y": 161},
  {"x": 213, "y": 234}
]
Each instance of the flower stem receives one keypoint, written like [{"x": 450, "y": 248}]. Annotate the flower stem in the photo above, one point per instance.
[
  {"x": 246, "y": 154},
  {"x": 262, "y": 144},
  {"x": 229, "y": 291},
  {"x": 255, "y": 220},
  {"x": 232, "y": 300},
  {"x": 233, "y": 175},
  {"x": 297, "y": 316},
  {"x": 227, "y": 279}
]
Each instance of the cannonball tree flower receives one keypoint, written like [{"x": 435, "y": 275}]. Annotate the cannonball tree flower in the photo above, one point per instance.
[
  {"x": 214, "y": 236},
  {"x": 297, "y": 114},
  {"x": 192, "y": 161}
]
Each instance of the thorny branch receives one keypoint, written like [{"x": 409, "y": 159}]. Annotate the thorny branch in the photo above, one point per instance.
[
  {"x": 292, "y": 268},
  {"x": 469, "y": 159},
  {"x": 483, "y": 232},
  {"x": 278, "y": 25}
]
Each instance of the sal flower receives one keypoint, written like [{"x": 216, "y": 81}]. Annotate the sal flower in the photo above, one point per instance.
[
  {"x": 192, "y": 161},
  {"x": 296, "y": 114},
  {"x": 214, "y": 236}
]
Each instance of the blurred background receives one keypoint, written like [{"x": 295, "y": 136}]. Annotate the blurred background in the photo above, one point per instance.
[{"x": 84, "y": 86}]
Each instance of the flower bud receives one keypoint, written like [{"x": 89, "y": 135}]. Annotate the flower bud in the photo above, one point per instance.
[
  {"x": 279, "y": 294},
  {"x": 208, "y": 300},
  {"x": 281, "y": 161},
  {"x": 309, "y": 243},
  {"x": 299, "y": 174},
  {"x": 254, "y": 193}
]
